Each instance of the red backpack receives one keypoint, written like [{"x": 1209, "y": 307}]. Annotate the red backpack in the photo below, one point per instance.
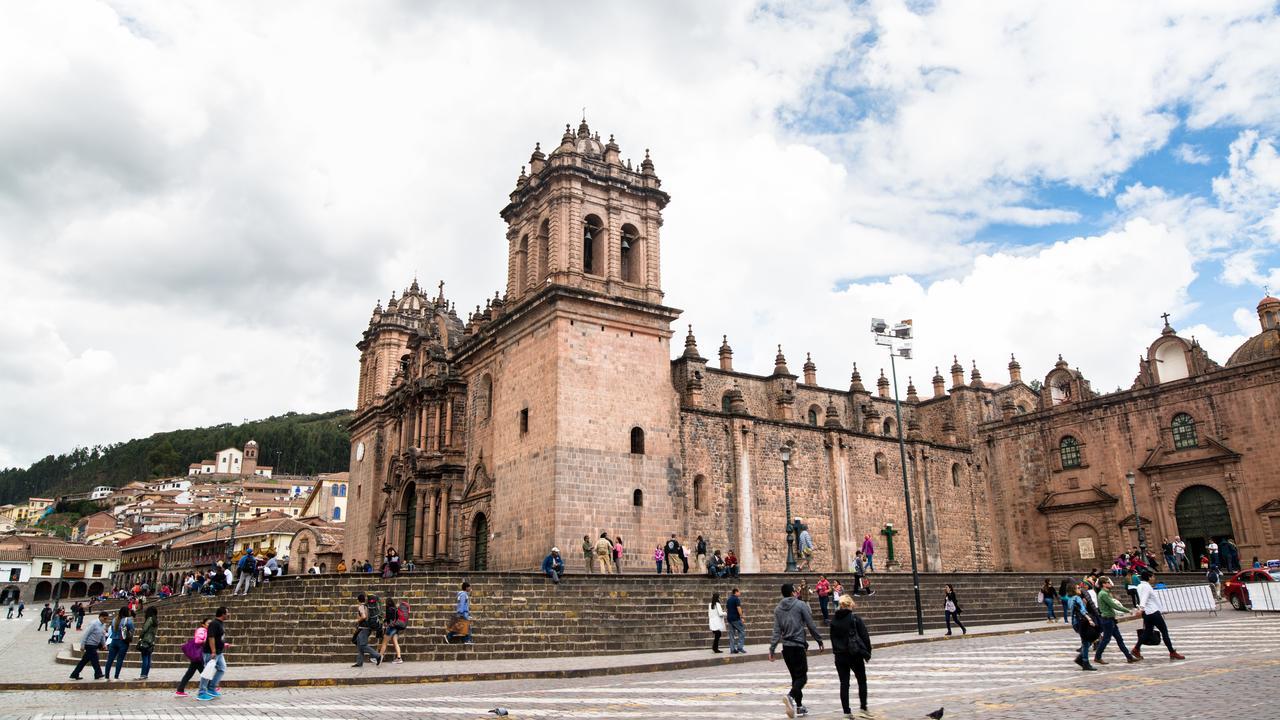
[{"x": 402, "y": 616}]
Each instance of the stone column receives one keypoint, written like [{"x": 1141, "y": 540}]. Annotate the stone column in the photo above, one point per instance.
[
  {"x": 443, "y": 549},
  {"x": 448, "y": 420},
  {"x": 435, "y": 430},
  {"x": 419, "y": 521},
  {"x": 429, "y": 551}
]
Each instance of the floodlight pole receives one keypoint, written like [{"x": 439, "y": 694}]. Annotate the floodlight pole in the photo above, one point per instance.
[{"x": 886, "y": 339}]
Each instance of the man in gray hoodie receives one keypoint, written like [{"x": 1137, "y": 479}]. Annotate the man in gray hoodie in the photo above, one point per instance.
[{"x": 790, "y": 619}]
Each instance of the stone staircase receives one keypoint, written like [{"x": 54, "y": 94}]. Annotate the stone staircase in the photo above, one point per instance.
[{"x": 310, "y": 619}]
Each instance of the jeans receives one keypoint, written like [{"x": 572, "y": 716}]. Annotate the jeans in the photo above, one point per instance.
[
  {"x": 871, "y": 566},
  {"x": 362, "y": 647},
  {"x": 90, "y": 657},
  {"x": 1155, "y": 620},
  {"x": 737, "y": 636},
  {"x": 951, "y": 615},
  {"x": 212, "y": 684},
  {"x": 115, "y": 654},
  {"x": 1066, "y": 616},
  {"x": 844, "y": 663},
  {"x": 1084, "y": 650},
  {"x": 245, "y": 582},
  {"x": 555, "y": 577},
  {"x": 1048, "y": 608},
  {"x": 659, "y": 564},
  {"x": 797, "y": 661},
  {"x": 1110, "y": 630},
  {"x": 146, "y": 660},
  {"x": 193, "y": 667},
  {"x": 823, "y": 600},
  {"x": 1169, "y": 561}
]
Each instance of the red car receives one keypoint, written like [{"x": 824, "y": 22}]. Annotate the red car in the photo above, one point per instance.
[{"x": 1233, "y": 587}]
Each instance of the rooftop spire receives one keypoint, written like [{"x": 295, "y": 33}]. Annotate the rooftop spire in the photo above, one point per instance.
[{"x": 691, "y": 346}]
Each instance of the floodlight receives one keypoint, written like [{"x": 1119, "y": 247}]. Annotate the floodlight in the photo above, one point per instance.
[{"x": 879, "y": 326}]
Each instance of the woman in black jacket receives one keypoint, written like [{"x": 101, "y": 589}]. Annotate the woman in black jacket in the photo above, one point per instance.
[
  {"x": 951, "y": 607},
  {"x": 851, "y": 647}
]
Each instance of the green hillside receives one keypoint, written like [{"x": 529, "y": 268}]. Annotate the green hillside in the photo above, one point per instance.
[{"x": 307, "y": 444}]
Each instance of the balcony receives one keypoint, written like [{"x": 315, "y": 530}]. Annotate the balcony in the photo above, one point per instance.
[{"x": 73, "y": 574}]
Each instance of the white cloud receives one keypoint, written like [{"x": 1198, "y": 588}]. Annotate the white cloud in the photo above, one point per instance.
[
  {"x": 1191, "y": 155},
  {"x": 249, "y": 178}
]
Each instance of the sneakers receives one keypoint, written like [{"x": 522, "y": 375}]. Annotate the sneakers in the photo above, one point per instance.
[
  {"x": 204, "y": 696},
  {"x": 377, "y": 661},
  {"x": 802, "y": 710},
  {"x": 791, "y": 705},
  {"x": 179, "y": 693},
  {"x": 397, "y": 661},
  {"x": 214, "y": 693},
  {"x": 1137, "y": 653},
  {"x": 1176, "y": 656},
  {"x": 1088, "y": 667}
]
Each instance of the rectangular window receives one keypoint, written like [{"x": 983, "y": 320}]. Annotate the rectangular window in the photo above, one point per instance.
[
  {"x": 524, "y": 420},
  {"x": 73, "y": 567},
  {"x": 46, "y": 569},
  {"x": 97, "y": 570},
  {"x": 15, "y": 574}
]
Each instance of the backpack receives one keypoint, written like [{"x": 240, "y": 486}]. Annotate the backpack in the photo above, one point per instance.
[
  {"x": 374, "y": 609},
  {"x": 402, "y": 616}
]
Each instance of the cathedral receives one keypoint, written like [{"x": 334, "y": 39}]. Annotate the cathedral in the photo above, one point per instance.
[{"x": 571, "y": 405}]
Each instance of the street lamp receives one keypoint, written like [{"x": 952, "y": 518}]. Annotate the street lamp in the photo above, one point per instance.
[
  {"x": 785, "y": 452},
  {"x": 1137, "y": 519},
  {"x": 898, "y": 340}
]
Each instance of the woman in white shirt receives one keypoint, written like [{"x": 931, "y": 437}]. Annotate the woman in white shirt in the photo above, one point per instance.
[{"x": 715, "y": 620}]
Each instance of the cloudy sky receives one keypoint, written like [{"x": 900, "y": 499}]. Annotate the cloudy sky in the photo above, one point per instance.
[{"x": 200, "y": 203}]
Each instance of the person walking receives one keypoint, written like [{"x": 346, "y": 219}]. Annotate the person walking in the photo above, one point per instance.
[
  {"x": 461, "y": 625},
  {"x": 1086, "y": 620},
  {"x": 1152, "y": 618},
  {"x": 193, "y": 650},
  {"x": 46, "y": 614},
  {"x": 1214, "y": 576},
  {"x": 122, "y": 629},
  {"x": 604, "y": 551},
  {"x": 553, "y": 566},
  {"x": 1212, "y": 549},
  {"x": 868, "y": 550},
  {"x": 737, "y": 624},
  {"x": 366, "y": 623},
  {"x": 393, "y": 625},
  {"x": 147, "y": 639},
  {"x": 951, "y": 609},
  {"x": 77, "y": 612},
  {"x": 91, "y": 643},
  {"x": 823, "y": 587},
  {"x": 804, "y": 541},
  {"x": 657, "y": 558},
  {"x": 790, "y": 619},
  {"x": 59, "y": 625},
  {"x": 715, "y": 621},
  {"x": 1110, "y": 608},
  {"x": 673, "y": 547},
  {"x": 1049, "y": 597},
  {"x": 700, "y": 555},
  {"x": 1166, "y": 549},
  {"x": 617, "y": 554},
  {"x": 215, "y": 651},
  {"x": 851, "y": 649}
]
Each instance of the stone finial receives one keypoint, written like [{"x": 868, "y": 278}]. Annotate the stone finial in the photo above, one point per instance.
[
  {"x": 583, "y": 130},
  {"x": 957, "y": 372},
  {"x": 646, "y": 166},
  {"x": 1015, "y": 370},
  {"x": 882, "y": 385},
  {"x": 737, "y": 405},
  {"x": 1167, "y": 329},
  {"x": 611, "y": 152},
  {"x": 780, "y": 363},
  {"x": 911, "y": 391},
  {"x": 537, "y": 160},
  {"x": 726, "y": 354},
  {"x": 810, "y": 370},
  {"x": 939, "y": 384},
  {"x": 976, "y": 376},
  {"x": 833, "y": 415},
  {"x": 913, "y": 429},
  {"x": 413, "y": 287},
  {"x": 523, "y": 179},
  {"x": 691, "y": 346},
  {"x": 855, "y": 381},
  {"x": 1061, "y": 363},
  {"x": 693, "y": 390}
]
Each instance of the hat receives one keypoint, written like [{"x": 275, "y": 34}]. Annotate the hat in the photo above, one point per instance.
[{"x": 555, "y": 550}]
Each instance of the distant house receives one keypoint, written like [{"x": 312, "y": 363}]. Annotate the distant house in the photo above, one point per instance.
[
  {"x": 232, "y": 461},
  {"x": 94, "y": 524},
  {"x": 37, "y": 569},
  {"x": 328, "y": 499}
]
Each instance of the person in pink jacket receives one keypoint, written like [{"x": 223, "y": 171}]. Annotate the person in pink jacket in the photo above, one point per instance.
[{"x": 868, "y": 549}]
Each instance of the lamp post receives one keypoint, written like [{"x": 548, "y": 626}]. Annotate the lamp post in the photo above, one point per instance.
[
  {"x": 235, "y": 520},
  {"x": 785, "y": 452},
  {"x": 1137, "y": 519},
  {"x": 898, "y": 340}
]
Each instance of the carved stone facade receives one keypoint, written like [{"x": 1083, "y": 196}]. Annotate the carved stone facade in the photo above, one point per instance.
[{"x": 556, "y": 412}]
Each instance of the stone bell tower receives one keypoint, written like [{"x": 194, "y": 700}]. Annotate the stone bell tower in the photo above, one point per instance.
[{"x": 573, "y": 417}]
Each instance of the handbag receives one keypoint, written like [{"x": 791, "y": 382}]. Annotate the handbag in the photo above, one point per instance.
[{"x": 193, "y": 651}]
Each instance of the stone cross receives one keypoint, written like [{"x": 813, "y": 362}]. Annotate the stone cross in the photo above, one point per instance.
[{"x": 888, "y": 532}]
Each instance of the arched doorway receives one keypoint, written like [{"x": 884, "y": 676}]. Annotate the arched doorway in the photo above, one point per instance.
[
  {"x": 410, "y": 504},
  {"x": 1084, "y": 549},
  {"x": 44, "y": 589},
  {"x": 1202, "y": 514},
  {"x": 10, "y": 595},
  {"x": 480, "y": 548},
  {"x": 78, "y": 590},
  {"x": 95, "y": 589}
]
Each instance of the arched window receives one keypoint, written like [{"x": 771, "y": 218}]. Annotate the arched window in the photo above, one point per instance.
[
  {"x": 813, "y": 415},
  {"x": 544, "y": 250},
  {"x": 1069, "y": 451},
  {"x": 700, "y": 493},
  {"x": 1184, "y": 431},
  {"x": 637, "y": 498},
  {"x": 592, "y": 230},
  {"x": 888, "y": 426},
  {"x": 955, "y": 474},
  {"x": 337, "y": 513},
  {"x": 725, "y": 405},
  {"x": 1171, "y": 361},
  {"x": 522, "y": 265},
  {"x": 630, "y": 255},
  {"x": 881, "y": 469},
  {"x": 637, "y": 441}
]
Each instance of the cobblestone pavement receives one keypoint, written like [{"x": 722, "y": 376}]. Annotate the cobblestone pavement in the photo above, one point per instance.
[{"x": 1232, "y": 665}]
